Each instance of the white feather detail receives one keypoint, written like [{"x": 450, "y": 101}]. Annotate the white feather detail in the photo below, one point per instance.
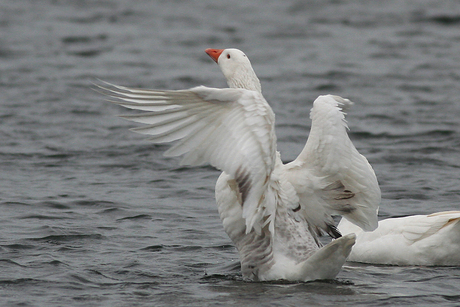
[
  {"x": 330, "y": 175},
  {"x": 231, "y": 129}
]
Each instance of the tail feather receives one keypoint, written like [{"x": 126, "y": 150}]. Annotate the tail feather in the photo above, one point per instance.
[{"x": 327, "y": 262}]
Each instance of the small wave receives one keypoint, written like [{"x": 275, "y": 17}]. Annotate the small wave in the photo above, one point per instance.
[
  {"x": 453, "y": 298},
  {"x": 91, "y": 203},
  {"x": 21, "y": 281},
  {"x": 18, "y": 246},
  {"x": 223, "y": 247},
  {"x": 86, "y": 53},
  {"x": 442, "y": 19},
  {"x": 54, "y": 205},
  {"x": 68, "y": 238},
  {"x": 14, "y": 203},
  {"x": 83, "y": 39},
  {"x": 136, "y": 217},
  {"x": 42, "y": 217},
  {"x": 402, "y": 134},
  {"x": 213, "y": 278},
  {"x": 153, "y": 248},
  {"x": 11, "y": 262}
]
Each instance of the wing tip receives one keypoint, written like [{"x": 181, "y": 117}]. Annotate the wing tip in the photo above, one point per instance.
[{"x": 336, "y": 101}]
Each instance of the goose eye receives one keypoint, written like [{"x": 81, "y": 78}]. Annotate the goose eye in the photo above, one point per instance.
[{"x": 228, "y": 56}]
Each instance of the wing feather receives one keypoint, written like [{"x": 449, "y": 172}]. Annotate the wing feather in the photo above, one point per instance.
[
  {"x": 423, "y": 226},
  {"x": 330, "y": 175},
  {"x": 231, "y": 129}
]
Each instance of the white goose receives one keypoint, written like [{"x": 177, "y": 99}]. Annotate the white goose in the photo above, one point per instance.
[
  {"x": 271, "y": 211},
  {"x": 431, "y": 240}
]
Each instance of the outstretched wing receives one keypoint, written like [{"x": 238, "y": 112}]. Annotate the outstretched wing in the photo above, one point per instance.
[
  {"x": 231, "y": 129},
  {"x": 330, "y": 175}
]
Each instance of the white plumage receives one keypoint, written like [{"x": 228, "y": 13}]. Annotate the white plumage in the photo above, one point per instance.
[
  {"x": 271, "y": 211},
  {"x": 431, "y": 240}
]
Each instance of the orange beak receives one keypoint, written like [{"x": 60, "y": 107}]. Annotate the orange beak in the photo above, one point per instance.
[{"x": 214, "y": 53}]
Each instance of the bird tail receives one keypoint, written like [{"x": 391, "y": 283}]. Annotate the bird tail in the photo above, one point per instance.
[{"x": 327, "y": 262}]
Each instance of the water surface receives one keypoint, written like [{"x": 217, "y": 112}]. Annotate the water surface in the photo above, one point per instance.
[{"x": 93, "y": 215}]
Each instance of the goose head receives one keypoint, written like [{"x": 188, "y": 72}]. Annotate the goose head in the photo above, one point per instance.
[{"x": 236, "y": 68}]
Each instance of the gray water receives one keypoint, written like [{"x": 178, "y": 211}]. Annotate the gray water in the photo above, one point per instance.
[{"x": 94, "y": 215}]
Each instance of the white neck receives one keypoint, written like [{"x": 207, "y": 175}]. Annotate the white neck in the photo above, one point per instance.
[{"x": 245, "y": 78}]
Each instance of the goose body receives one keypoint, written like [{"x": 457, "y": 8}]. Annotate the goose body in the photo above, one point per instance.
[
  {"x": 273, "y": 212},
  {"x": 429, "y": 240}
]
